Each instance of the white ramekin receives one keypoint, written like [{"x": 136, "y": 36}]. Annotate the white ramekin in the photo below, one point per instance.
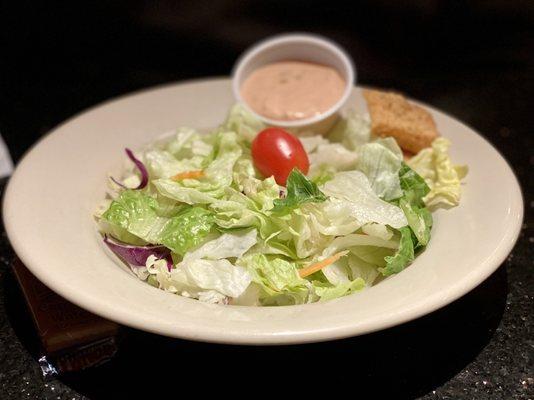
[{"x": 300, "y": 47}]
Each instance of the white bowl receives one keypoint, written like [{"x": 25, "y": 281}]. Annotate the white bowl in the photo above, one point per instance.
[
  {"x": 300, "y": 47},
  {"x": 50, "y": 199}
]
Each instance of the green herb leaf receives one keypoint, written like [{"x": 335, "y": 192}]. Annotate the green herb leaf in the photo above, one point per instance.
[{"x": 300, "y": 190}]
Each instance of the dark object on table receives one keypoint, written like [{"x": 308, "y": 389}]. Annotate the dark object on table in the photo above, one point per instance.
[{"x": 72, "y": 339}]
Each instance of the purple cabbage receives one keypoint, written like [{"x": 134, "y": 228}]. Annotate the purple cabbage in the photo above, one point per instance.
[
  {"x": 140, "y": 166},
  {"x": 136, "y": 256}
]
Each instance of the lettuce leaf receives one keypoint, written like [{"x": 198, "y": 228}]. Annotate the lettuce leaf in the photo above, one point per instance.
[
  {"x": 443, "y": 178},
  {"x": 413, "y": 206},
  {"x": 359, "y": 200},
  {"x": 404, "y": 255},
  {"x": 351, "y": 131},
  {"x": 207, "y": 280},
  {"x": 300, "y": 190},
  {"x": 261, "y": 192},
  {"x": 218, "y": 275},
  {"x": 218, "y": 173},
  {"x": 162, "y": 164},
  {"x": 419, "y": 220},
  {"x": 334, "y": 155},
  {"x": 134, "y": 213},
  {"x": 381, "y": 166},
  {"x": 417, "y": 234},
  {"x": 186, "y": 230},
  {"x": 242, "y": 122},
  {"x": 228, "y": 245},
  {"x": 413, "y": 185},
  {"x": 188, "y": 143},
  {"x": 327, "y": 292},
  {"x": 278, "y": 280}
]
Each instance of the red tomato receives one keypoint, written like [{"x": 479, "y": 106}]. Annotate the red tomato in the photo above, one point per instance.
[{"x": 276, "y": 152}]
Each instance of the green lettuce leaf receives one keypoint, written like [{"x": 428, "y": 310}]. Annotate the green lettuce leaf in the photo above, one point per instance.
[
  {"x": 404, "y": 255},
  {"x": 175, "y": 191},
  {"x": 413, "y": 185},
  {"x": 134, "y": 215},
  {"x": 417, "y": 235},
  {"x": 412, "y": 204},
  {"x": 278, "y": 280},
  {"x": 328, "y": 292},
  {"x": 419, "y": 220},
  {"x": 300, "y": 190},
  {"x": 186, "y": 230}
]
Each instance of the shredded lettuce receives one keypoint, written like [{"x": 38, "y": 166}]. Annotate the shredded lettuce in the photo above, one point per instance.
[{"x": 208, "y": 226}]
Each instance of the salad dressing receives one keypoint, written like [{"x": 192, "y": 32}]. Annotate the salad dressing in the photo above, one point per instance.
[{"x": 292, "y": 90}]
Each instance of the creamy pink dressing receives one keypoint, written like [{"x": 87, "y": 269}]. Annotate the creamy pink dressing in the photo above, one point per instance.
[{"x": 292, "y": 90}]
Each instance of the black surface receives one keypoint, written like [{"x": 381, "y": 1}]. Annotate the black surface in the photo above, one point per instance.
[{"x": 472, "y": 59}]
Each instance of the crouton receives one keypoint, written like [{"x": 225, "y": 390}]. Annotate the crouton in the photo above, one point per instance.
[{"x": 391, "y": 115}]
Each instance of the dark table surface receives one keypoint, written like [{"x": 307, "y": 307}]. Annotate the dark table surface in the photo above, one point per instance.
[{"x": 474, "y": 60}]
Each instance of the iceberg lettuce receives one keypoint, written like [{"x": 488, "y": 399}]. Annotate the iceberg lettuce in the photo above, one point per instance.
[
  {"x": 351, "y": 131},
  {"x": 242, "y": 122},
  {"x": 381, "y": 165},
  {"x": 359, "y": 200},
  {"x": 443, "y": 178}
]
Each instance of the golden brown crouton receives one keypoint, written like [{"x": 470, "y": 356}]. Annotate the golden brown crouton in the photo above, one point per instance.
[{"x": 391, "y": 115}]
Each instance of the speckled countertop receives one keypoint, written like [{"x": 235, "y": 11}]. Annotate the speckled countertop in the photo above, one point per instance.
[{"x": 473, "y": 60}]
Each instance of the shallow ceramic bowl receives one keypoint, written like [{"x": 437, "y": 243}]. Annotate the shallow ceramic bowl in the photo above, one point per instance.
[{"x": 50, "y": 200}]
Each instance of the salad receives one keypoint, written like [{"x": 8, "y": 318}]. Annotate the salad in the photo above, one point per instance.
[{"x": 250, "y": 215}]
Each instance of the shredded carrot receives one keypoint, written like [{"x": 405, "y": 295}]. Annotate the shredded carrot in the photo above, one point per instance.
[
  {"x": 188, "y": 175},
  {"x": 310, "y": 269}
]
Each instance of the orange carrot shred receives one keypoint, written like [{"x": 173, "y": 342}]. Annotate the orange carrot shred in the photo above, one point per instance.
[
  {"x": 188, "y": 175},
  {"x": 310, "y": 269}
]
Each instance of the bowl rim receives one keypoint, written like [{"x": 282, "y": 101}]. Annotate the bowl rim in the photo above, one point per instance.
[{"x": 296, "y": 37}]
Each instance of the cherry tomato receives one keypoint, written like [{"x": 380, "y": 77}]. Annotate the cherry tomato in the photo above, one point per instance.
[{"x": 276, "y": 152}]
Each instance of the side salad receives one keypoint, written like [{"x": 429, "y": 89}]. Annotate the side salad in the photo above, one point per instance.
[{"x": 252, "y": 216}]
